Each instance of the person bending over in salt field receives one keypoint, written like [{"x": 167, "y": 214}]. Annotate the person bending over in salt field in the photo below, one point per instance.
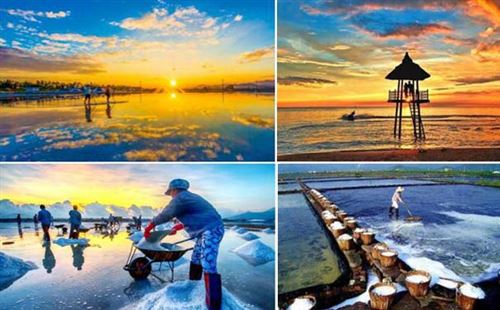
[
  {"x": 396, "y": 198},
  {"x": 75, "y": 221},
  {"x": 45, "y": 218},
  {"x": 200, "y": 219}
]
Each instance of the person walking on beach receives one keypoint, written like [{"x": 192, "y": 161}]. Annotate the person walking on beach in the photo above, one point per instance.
[
  {"x": 396, "y": 199},
  {"x": 75, "y": 221},
  {"x": 87, "y": 93},
  {"x": 46, "y": 220},
  {"x": 203, "y": 223}
]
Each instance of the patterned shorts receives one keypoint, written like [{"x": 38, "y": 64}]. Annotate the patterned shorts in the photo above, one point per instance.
[{"x": 206, "y": 249}]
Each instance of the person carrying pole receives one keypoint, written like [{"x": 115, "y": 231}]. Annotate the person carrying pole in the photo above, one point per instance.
[
  {"x": 396, "y": 199},
  {"x": 203, "y": 223}
]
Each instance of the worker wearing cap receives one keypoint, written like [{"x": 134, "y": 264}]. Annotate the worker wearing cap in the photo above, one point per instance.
[
  {"x": 396, "y": 198},
  {"x": 200, "y": 219}
]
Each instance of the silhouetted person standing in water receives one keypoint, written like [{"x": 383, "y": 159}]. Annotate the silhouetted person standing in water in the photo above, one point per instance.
[
  {"x": 18, "y": 219},
  {"x": 46, "y": 220},
  {"x": 87, "y": 92},
  {"x": 107, "y": 93}
]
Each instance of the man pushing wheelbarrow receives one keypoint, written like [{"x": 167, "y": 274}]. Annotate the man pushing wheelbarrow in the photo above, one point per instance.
[{"x": 200, "y": 219}]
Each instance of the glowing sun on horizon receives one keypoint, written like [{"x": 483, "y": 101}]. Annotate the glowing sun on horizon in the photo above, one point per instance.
[{"x": 173, "y": 82}]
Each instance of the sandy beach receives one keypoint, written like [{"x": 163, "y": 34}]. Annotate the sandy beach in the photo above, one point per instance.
[{"x": 435, "y": 154}]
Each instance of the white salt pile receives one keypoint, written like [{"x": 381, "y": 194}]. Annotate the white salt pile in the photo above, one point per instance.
[
  {"x": 344, "y": 237},
  {"x": 268, "y": 231},
  {"x": 380, "y": 247},
  {"x": 384, "y": 290},
  {"x": 184, "y": 295},
  {"x": 417, "y": 279},
  {"x": 359, "y": 230},
  {"x": 388, "y": 253},
  {"x": 255, "y": 252},
  {"x": 329, "y": 216},
  {"x": 12, "y": 268},
  {"x": 301, "y": 303},
  {"x": 156, "y": 245},
  {"x": 249, "y": 236},
  {"x": 136, "y": 236},
  {"x": 472, "y": 291},
  {"x": 448, "y": 284},
  {"x": 337, "y": 225},
  {"x": 65, "y": 242},
  {"x": 235, "y": 227},
  {"x": 240, "y": 230}
]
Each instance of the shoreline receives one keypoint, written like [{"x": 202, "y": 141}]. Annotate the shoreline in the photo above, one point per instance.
[{"x": 432, "y": 154}]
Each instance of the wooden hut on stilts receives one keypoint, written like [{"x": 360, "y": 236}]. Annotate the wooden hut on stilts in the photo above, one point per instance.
[{"x": 408, "y": 74}]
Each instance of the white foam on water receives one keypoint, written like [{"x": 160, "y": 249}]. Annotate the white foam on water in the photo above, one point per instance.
[
  {"x": 255, "y": 252},
  {"x": 301, "y": 303},
  {"x": 64, "y": 242},
  {"x": 186, "y": 295}
]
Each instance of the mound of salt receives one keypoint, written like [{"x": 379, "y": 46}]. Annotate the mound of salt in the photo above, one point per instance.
[
  {"x": 388, "y": 253},
  {"x": 472, "y": 291},
  {"x": 184, "y": 295},
  {"x": 268, "y": 231},
  {"x": 337, "y": 225},
  {"x": 345, "y": 237},
  {"x": 255, "y": 252},
  {"x": 301, "y": 303},
  {"x": 359, "y": 230},
  {"x": 248, "y": 236},
  {"x": 65, "y": 241},
  {"x": 384, "y": 290},
  {"x": 240, "y": 230},
  {"x": 417, "y": 279},
  {"x": 136, "y": 236},
  {"x": 12, "y": 268},
  {"x": 235, "y": 227},
  {"x": 448, "y": 284}
]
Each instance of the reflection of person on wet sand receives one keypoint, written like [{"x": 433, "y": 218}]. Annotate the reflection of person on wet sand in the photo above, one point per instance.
[
  {"x": 88, "y": 113},
  {"x": 107, "y": 93},
  {"x": 49, "y": 260},
  {"x": 108, "y": 110},
  {"x": 78, "y": 258}
]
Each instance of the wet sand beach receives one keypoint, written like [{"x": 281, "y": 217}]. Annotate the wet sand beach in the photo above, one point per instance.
[{"x": 434, "y": 154}]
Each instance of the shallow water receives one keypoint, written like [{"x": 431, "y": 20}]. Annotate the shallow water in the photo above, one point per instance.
[
  {"x": 155, "y": 127},
  {"x": 322, "y": 129},
  {"x": 460, "y": 225},
  {"x": 305, "y": 257},
  {"x": 101, "y": 283},
  {"x": 355, "y": 183}
]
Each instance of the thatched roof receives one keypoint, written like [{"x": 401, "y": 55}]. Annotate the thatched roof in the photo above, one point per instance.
[{"x": 408, "y": 70}]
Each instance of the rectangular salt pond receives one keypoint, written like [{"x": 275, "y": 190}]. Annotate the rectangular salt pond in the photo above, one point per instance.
[
  {"x": 288, "y": 186},
  {"x": 305, "y": 257},
  {"x": 362, "y": 183},
  {"x": 101, "y": 283},
  {"x": 460, "y": 226},
  {"x": 148, "y": 127}
]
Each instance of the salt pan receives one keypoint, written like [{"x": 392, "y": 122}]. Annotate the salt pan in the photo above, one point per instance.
[
  {"x": 417, "y": 278},
  {"x": 384, "y": 290},
  {"x": 472, "y": 291},
  {"x": 12, "y": 268}
]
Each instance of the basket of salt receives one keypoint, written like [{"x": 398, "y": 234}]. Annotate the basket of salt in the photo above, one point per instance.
[
  {"x": 347, "y": 219},
  {"x": 341, "y": 215},
  {"x": 377, "y": 248},
  {"x": 345, "y": 242},
  {"x": 337, "y": 229},
  {"x": 367, "y": 237},
  {"x": 356, "y": 234},
  {"x": 382, "y": 295},
  {"x": 417, "y": 282},
  {"x": 352, "y": 224},
  {"x": 305, "y": 302},
  {"x": 468, "y": 295},
  {"x": 388, "y": 258},
  {"x": 328, "y": 217}
]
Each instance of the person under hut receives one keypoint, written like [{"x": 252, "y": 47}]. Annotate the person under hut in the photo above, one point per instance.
[
  {"x": 75, "y": 221},
  {"x": 45, "y": 218},
  {"x": 396, "y": 199},
  {"x": 203, "y": 223}
]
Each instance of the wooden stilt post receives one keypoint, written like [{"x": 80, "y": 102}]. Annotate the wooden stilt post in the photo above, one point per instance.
[
  {"x": 413, "y": 110},
  {"x": 397, "y": 109},
  {"x": 400, "y": 117}
]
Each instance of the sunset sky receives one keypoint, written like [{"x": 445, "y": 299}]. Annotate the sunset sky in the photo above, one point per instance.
[
  {"x": 333, "y": 52},
  {"x": 239, "y": 188},
  {"x": 126, "y": 42}
]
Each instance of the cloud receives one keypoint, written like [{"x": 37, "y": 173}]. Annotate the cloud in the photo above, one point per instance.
[
  {"x": 302, "y": 61},
  {"x": 256, "y": 55},
  {"x": 30, "y": 15},
  {"x": 21, "y": 60},
  {"x": 2, "y": 42},
  {"x": 408, "y": 31},
  {"x": 487, "y": 51},
  {"x": 305, "y": 81},
  {"x": 253, "y": 120},
  {"x": 487, "y": 9},
  {"x": 477, "y": 80},
  {"x": 238, "y": 18}
]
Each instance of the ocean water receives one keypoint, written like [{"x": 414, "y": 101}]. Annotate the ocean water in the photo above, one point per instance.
[
  {"x": 305, "y": 257},
  {"x": 148, "y": 127},
  {"x": 460, "y": 227},
  {"x": 92, "y": 277},
  {"x": 323, "y": 129}
]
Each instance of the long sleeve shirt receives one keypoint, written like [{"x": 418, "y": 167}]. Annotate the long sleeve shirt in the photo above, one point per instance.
[
  {"x": 45, "y": 217},
  {"x": 75, "y": 217},
  {"x": 196, "y": 213}
]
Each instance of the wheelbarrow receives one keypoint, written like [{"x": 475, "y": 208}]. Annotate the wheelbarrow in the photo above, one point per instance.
[{"x": 154, "y": 252}]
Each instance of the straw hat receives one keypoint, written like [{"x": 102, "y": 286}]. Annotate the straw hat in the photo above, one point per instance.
[{"x": 399, "y": 189}]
